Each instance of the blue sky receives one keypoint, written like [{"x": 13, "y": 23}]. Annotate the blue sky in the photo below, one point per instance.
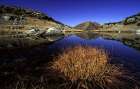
[{"x": 73, "y": 12}]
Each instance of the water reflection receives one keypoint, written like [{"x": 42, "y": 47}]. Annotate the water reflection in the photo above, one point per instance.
[
  {"x": 129, "y": 39},
  {"x": 120, "y": 53}
]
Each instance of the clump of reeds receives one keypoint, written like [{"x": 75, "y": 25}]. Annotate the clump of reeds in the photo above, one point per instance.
[{"x": 89, "y": 68}]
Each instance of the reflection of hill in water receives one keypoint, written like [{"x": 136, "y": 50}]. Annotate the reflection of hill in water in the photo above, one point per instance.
[
  {"x": 87, "y": 35},
  {"x": 23, "y": 42},
  {"x": 54, "y": 38},
  {"x": 135, "y": 43},
  {"x": 130, "y": 39}
]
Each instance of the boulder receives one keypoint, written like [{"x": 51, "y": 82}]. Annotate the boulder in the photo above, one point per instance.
[
  {"x": 138, "y": 31},
  {"x": 130, "y": 20},
  {"x": 32, "y": 31},
  {"x": 52, "y": 31}
]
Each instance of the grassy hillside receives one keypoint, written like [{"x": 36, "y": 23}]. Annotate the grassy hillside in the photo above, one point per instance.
[
  {"x": 25, "y": 26},
  {"x": 87, "y": 26},
  {"x": 129, "y": 23},
  {"x": 26, "y": 12},
  {"x": 23, "y": 19}
]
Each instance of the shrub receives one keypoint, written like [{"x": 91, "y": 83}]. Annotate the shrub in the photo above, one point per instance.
[
  {"x": 81, "y": 63},
  {"x": 89, "y": 68}
]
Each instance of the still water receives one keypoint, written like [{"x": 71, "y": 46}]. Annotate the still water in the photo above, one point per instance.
[{"x": 122, "y": 48}]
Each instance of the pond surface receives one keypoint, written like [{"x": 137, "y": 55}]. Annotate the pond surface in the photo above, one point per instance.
[
  {"x": 120, "y": 51},
  {"x": 123, "y": 49}
]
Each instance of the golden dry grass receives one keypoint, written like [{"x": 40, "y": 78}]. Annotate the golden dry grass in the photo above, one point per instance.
[
  {"x": 89, "y": 68},
  {"x": 77, "y": 68},
  {"x": 81, "y": 62}
]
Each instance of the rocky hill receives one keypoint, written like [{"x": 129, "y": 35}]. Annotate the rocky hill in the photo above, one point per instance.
[
  {"x": 129, "y": 23},
  {"x": 134, "y": 19},
  {"x": 12, "y": 17},
  {"x": 25, "y": 27},
  {"x": 88, "y": 26},
  {"x": 26, "y": 12}
]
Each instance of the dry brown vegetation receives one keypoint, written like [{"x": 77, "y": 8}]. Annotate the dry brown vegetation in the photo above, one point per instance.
[
  {"x": 76, "y": 68},
  {"x": 4, "y": 32},
  {"x": 89, "y": 68},
  {"x": 80, "y": 62}
]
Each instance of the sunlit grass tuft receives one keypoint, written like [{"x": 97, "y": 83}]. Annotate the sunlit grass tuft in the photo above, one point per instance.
[
  {"x": 89, "y": 68},
  {"x": 76, "y": 68},
  {"x": 81, "y": 62}
]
